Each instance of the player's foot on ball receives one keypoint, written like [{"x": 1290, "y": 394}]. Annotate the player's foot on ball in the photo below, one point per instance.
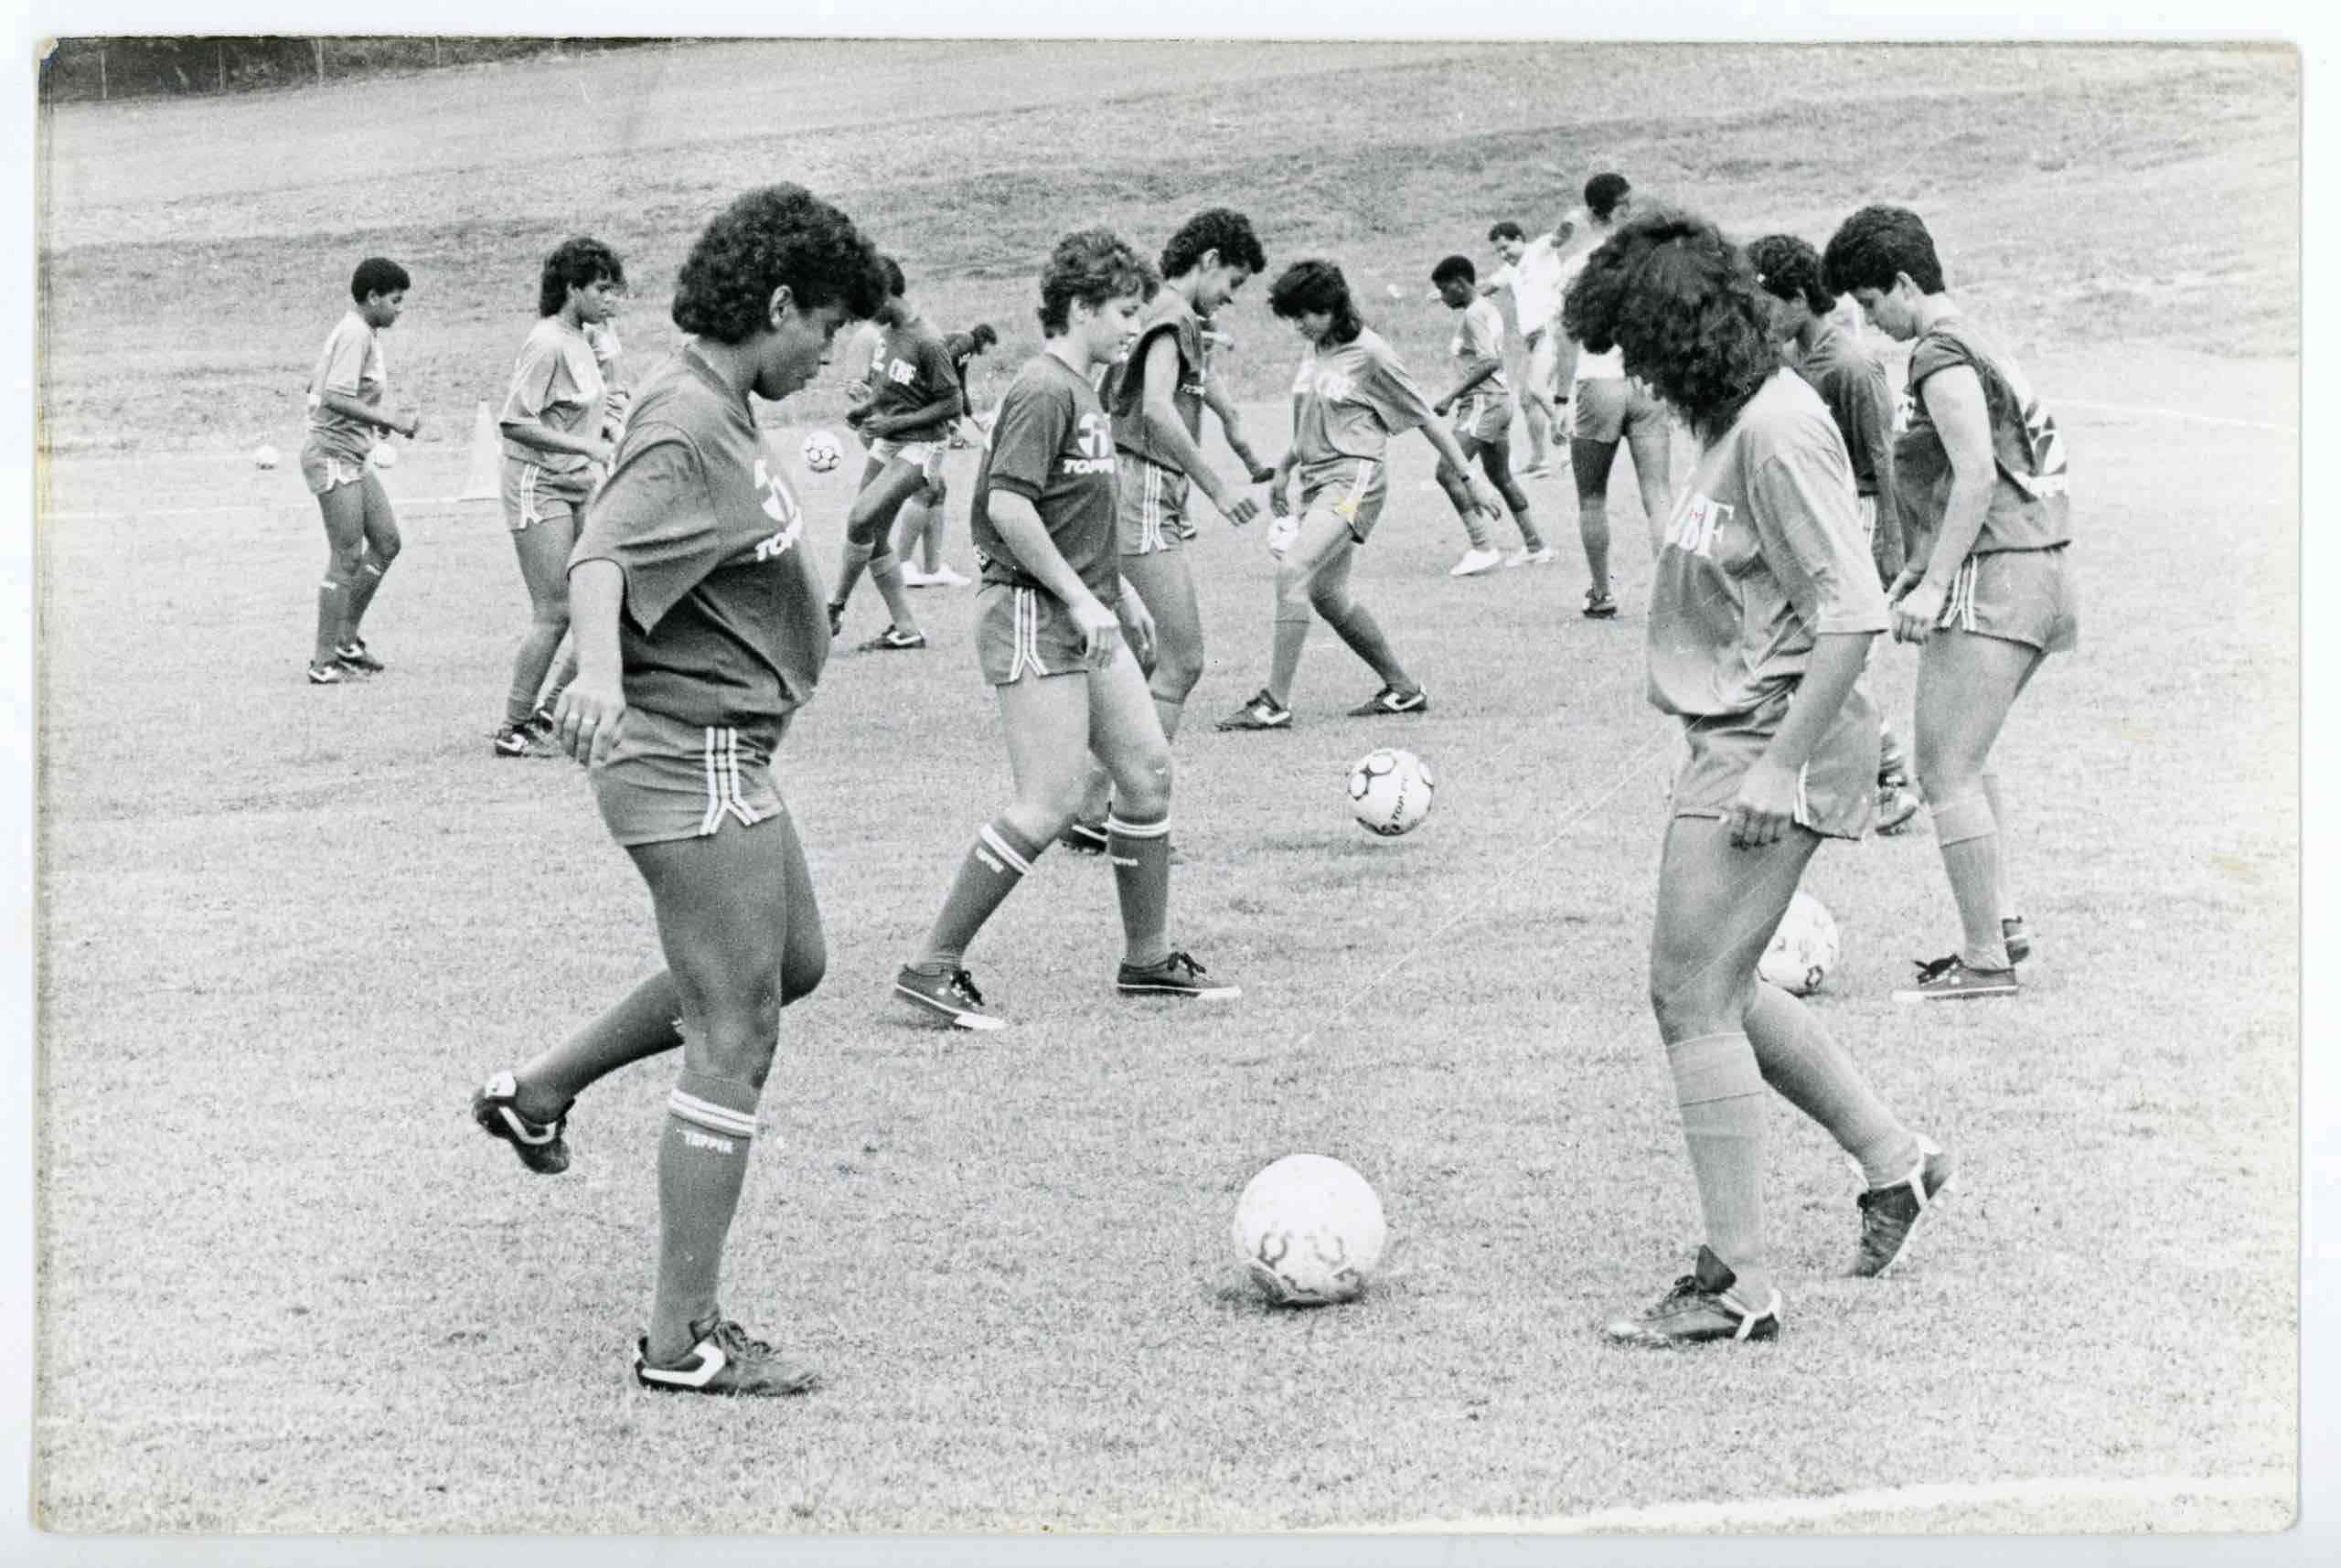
[
  {"x": 1889, "y": 1213},
  {"x": 1700, "y": 1308},
  {"x": 1475, "y": 560},
  {"x": 1896, "y": 807},
  {"x": 1081, "y": 837},
  {"x": 2018, "y": 938},
  {"x": 724, "y": 1361},
  {"x": 892, "y": 640},
  {"x": 1177, "y": 976},
  {"x": 1542, "y": 555},
  {"x": 329, "y": 675},
  {"x": 1601, "y": 606},
  {"x": 539, "y": 1145},
  {"x": 1263, "y": 712},
  {"x": 950, "y": 995},
  {"x": 1390, "y": 700},
  {"x": 358, "y": 657},
  {"x": 1951, "y": 980}
]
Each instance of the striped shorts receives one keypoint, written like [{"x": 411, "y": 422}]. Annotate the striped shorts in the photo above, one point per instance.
[
  {"x": 2025, "y": 596},
  {"x": 1026, "y": 631},
  {"x": 531, "y": 495},
  {"x": 1354, "y": 489},
  {"x": 1151, "y": 505},
  {"x": 664, "y": 779}
]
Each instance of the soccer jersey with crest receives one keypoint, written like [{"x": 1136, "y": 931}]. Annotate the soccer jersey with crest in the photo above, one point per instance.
[
  {"x": 913, "y": 369},
  {"x": 557, "y": 383},
  {"x": 1352, "y": 397},
  {"x": 1053, "y": 444},
  {"x": 1124, "y": 391},
  {"x": 2029, "y": 508},
  {"x": 723, "y": 622},
  {"x": 350, "y": 367},
  {"x": 1763, "y": 553}
]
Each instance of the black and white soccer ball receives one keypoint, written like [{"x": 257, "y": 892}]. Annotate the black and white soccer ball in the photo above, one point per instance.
[{"x": 1391, "y": 791}]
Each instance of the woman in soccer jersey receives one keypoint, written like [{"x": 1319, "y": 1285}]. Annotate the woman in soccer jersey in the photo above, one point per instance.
[
  {"x": 700, "y": 633},
  {"x": 1049, "y": 622},
  {"x": 1353, "y": 395},
  {"x": 555, "y": 453},
  {"x": 346, "y": 410},
  {"x": 1763, "y": 603},
  {"x": 1987, "y": 591}
]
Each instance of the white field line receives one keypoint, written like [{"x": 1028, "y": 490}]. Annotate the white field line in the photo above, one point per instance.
[
  {"x": 2172, "y": 414},
  {"x": 1756, "y": 1513}
]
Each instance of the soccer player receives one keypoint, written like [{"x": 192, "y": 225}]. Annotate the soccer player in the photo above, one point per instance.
[
  {"x": 1350, "y": 397},
  {"x": 1763, "y": 603},
  {"x": 700, "y": 633},
  {"x": 1043, "y": 519},
  {"x": 1610, "y": 406},
  {"x": 918, "y": 528},
  {"x": 347, "y": 394},
  {"x": 1481, "y": 401},
  {"x": 1852, "y": 382},
  {"x": 1987, "y": 592},
  {"x": 1532, "y": 271},
  {"x": 915, "y": 399},
  {"x": 555, "y": 453}
]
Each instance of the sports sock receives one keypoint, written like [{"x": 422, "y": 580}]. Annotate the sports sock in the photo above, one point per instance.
[
  {"x": 1812, "y": 1073},
  {"x": 1721, "y": 1093},
  {"x": 850, "y": 566},
  {"x": 1356, "y": 627},
  {"x": 886, "y": 571},
  {"x": 362, "y": 587},
  {"x": 529, "y": 666},
  {"x": 645, "y": 1023},
  {"x": 1970, "y": 841},
  {"x": 2005, "y": 898},
  {"x": 1140, "y": 850},
  {"x": 1525, "y": 521},
  {"x": 1284, "y": 662},
  {"x": 703, "y": 1159},
  {"x": 333, "y": 610},
  {"x": 1458, "y": 492},
  {"x": 995, "y": 863}
]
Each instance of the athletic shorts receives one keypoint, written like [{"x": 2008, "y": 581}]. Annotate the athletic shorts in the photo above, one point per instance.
[
  {"x": 664, "y": 779},
  {"x": 1836, "y": 790},
  {"x": 1151, "y": 505},
  {"x": 1354, "y": 489},
  {"x": 1026, "y": 631},
  {"x": 325, "y": 470},
  {"x": 885, "y": 449},
  {"x": 1487, "y": 421},
  {"x": 1610, "y": 406},
  {"x": 2025, "y": 596},
  {"x": 532, "y": 496}
]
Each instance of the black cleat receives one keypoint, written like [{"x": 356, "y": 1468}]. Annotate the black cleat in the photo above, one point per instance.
[
  {"x": 1700, "y": 1309},
  {"x": 539, "y": 1145},
  {"x": 1889, "y": 1213}
]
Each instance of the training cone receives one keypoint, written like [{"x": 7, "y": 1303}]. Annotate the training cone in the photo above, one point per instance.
[{"x": 480, "y": 473}]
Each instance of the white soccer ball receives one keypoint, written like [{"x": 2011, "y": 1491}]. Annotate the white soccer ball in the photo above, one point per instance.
[
  {"x": 1390, "y": 791},
  {"x": 1804, "y": 949},
  {"x": 385, "y": 455},
  {"x": 1309, "y": 1229},
  {"x": 822, "y": 452},
  {"x": 265, "y": 457}
]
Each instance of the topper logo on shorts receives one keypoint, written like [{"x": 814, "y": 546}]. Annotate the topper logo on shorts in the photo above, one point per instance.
[{"x": 1097, "y": 443}]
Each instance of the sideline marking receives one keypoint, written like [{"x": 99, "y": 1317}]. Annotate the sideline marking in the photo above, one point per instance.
[
  {"x": 2172, "y": 414},
  {"x": 1759, "y": 1512}
]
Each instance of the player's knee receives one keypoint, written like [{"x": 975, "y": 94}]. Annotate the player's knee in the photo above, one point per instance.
[
  {"x": 1329, "y": 600},
  {"x": 740, "y": 1040},
  {"x": 1294, "y": 591},
  {"x": 1176, "y": 672},
  {"x": 1514, "y": 498},
  {"x": 1447, "y": 475},
  {"x": 1691, "y": 996},
  {"x": 1142, "y": 781}
]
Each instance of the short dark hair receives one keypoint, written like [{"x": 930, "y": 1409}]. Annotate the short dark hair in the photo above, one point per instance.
[
  {"x": 1789, "y": 269},
  {"x": 896, "y": 285},
  {"x": 983, "y": 336},
  {"x": 1876, "y": 243},
  {"x": 772, "y": 235},
  {"x": 1507, "y": 230},
  {"x": 580, "y": 263},
  {"x": 1603, "y": 192},
  {"x": 1316, "y": 286},
  {"x": 378, "y": 275},
  {"x": 1220, "y": 228},
  {"x": 1092, "y": 265},
  {"x": 1454, "y": 267},
  {"x": 1681, "y": 303}
]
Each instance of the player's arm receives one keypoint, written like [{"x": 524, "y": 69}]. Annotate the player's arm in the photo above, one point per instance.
[
  {"x": 1955, "y": 400},
  {"x": 1442, "y": 441},
  {"x": 587, "y": 713},
  {"x": 1232, "y": 430},
  {"x": 350, "y": 408},
  {"x": 1018, "y": 519},
  {"x": 1873, "y": 420},
  {"x": 1400, "y": 404},
  {"x": 1159, "y": 374},
  {"x": 1477, "y": 371},
  {"x": 1766, "y": 804},
  {"x": 1278, "y": 502}
]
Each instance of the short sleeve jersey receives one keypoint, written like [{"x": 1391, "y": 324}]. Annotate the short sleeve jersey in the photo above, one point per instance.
[
  {"x": 723, "y": 622},
  {"x": 2030, "y": 509},
  {"x": 1169, "y": 315},
  {"x": 1607, "y": 366},
  {"x": 1053, "y": 444},
  {"x": 350, "y": 367},
  {"x": 1479, "y": 335},
  {"x": 1762, "y": 554},
  {"x": 556, "y": 383},
  {"x": 1853, "y": 385},
  {"x": 911, "y": 370},
  {"x": 1352, "y": 397},
  {"x": 1536, "y": 282}
]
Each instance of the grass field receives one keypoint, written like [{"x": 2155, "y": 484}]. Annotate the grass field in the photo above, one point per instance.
[{"x": 286, "y": 930}]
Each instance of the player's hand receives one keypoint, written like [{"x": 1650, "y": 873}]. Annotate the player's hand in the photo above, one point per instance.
[
  {"x": 413, "y": 423},
  {"x": 615, "y": 404},
  {"x": 1138, "y": 624},
  {"x": 858, "y": 394},
  {"x": 1440, "y": 407},
  {"x": 586, "y": 717},
  {"x": 1765, "y": 805},
  {"x": 1101, "y": 629},
  {"x": 1916, "y": 610},
  {"x": 1484, "y": 496},
  {"x": 1237, "y": 509}
]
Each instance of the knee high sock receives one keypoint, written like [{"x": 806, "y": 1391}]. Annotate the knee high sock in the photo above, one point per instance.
[
  {"x": 994, "y": 865},
  {"x": 1721, "y": 1093},
  {"x": 333, "y": 613},
  {"x": 361, "y": 589},
  {"x": 1357, "y": 627},
  {"x": 1970, "y": 841},
  {"x": 702, "y": 1160},
  {"x": 1140, "y": 850},
  {"x": 1284, "y": 663},
  {"x": 1812, "y": 1073},
  {"x": 2006, "y": 897}
]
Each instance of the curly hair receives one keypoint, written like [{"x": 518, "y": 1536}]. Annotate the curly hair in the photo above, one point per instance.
[
  {"x": 983, "y": 336},
  {"x": 1092, "y": 265},
  {"x": 1454, "y": 267},
  {"x": 378, "y": 275},
  {"x": 1875, "y": 245},
  {"x": 1220, "y": 228},
  {"x": 1682, "y": 304},
  {"x": 1789, "y": 269},
  {"x": 1603, "y": 192},
  {"x": 897, "y": 285},
  {"x": 775, "y": 235},
  {"x": 1316, "y": 286},
  {"x": 580, "y": 261},
  {"x": 1506, "y": 229}
]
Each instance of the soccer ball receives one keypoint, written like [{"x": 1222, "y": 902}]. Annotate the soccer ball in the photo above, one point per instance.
[
  {"x": 1803, "y": 950},
  {"x": 822, "y": 452},
  {"x": 384, "y": 456},
  {"x": 265, "y": 457},
  {"x": 1309, "y": 1229},
  {"x": 1390, "y": 791}
]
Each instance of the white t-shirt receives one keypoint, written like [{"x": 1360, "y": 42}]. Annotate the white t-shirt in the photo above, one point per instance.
[
  {"x": 1535, "y": 282},
  {"x": 1610, "y": 367}
]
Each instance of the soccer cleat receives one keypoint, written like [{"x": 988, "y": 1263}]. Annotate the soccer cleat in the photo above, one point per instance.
[
  {"x": 1542, "y": 555},
  {"x": 952, "y": 995},
  {"x": 1896, "y": 807},
  {"x": 1951, "y": 980},
  {"x": 1600, "y": 606},
  {"x": 893, "y": 639},
  {"x": 1476, "y": 560},
  {"x": 724, "y": 1361},
  {"x": 1390, "y": 700},
  {"x": 539, "y": 1145},
  {"x": 1177, "y": 976},
  {"x": 1539, "y": 469},
  {"x": 329, "y": 674},
  {"x": 914, "y": 578},
  {"x": 1699, "y": 1310},
  {"x": 944, "y": 577},
  {"x": 1889, "y": 1213},
  {"x": 358, "y": 657},
  {"x": 2018, "y": 938},
  {"x": 541, "y": 723},
  {"x": 1263, "y": 712},
  {"x": 836, "y": 617},
  {"x": 516, "y": 740},
  {"x": 1081, "y": 837}
]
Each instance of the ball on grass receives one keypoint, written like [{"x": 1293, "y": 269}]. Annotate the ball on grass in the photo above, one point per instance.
[{"x": 265, "y": 457}]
